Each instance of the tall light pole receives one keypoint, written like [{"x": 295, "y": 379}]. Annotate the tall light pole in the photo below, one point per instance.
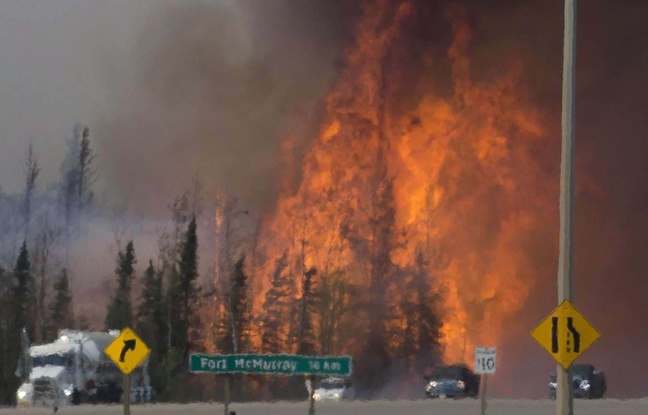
[{"x": 564, "y": 398}]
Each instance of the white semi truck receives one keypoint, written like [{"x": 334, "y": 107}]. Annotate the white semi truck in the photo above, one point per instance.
[{"x": 74, "y": 369}]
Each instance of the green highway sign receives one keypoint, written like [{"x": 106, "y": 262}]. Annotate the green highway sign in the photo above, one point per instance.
[{"x": 271, "y": 364}]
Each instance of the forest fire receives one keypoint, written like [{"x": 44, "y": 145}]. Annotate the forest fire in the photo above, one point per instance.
[
  {"x": 377, "y": 178},
  {"x": 406, "y": 182}
]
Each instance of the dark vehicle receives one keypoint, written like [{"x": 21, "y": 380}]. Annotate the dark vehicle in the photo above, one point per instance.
[
  {"x": 587, "y": 382},
  {"x": 452, "y": 381}
]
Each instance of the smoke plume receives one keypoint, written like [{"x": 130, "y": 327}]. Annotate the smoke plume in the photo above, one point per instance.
[{"x": 216, "y": 88}]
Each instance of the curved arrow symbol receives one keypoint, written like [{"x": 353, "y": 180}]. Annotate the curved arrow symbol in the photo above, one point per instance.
[{"x": 128, "y": 345}]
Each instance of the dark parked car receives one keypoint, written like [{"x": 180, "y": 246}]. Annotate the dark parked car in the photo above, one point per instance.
[
  {"x": 452, "y": 381},
  {"x": 587, "y": 382}
]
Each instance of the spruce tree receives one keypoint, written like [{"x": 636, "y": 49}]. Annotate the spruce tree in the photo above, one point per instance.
[
  {"x": 150, "y": 315},
  {"x": 239, "y": 305},
  {"x": 276, "y": 305},
  {"x": 62, "y": 306},
  {"x": 120, "y": 311},
  {"x": 31, "y": 174},
  {"x": 23, "y": 294},
  {"x": 68, "y": 191},
  {"x": 188, "y": 275},
  {"x": 172, "y": 369},
  {"x": 427, "y": 310},
  {"x": 305, "y": 336},
  {"x": 17, "y": 311},
  {"x": 151, "y": 323},
  {"x": 182, "y": 298},
  {"x": 336, "y": 301},
  {"x": 7, "y": 350},
  {"x": 86, "y": 172}
]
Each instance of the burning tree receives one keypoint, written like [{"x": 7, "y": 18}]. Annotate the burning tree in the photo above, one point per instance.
[{"x": 418, "y": 190}]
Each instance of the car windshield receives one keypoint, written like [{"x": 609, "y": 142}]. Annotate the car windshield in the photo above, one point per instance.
[
  {"x": 331, "y": 384},
  {"x": 582, "y": 370},
  {"x": 447, "y": 372},
  {"x": 50, "y": 360}
]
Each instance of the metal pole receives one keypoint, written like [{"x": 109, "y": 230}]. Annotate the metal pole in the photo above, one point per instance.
[
  {"x": 227, "y": 394},
  {"x": 311, "y": 409},
  {"x": 126, "y": 394},
  {"x": 564, "y": 398},
  {"x": 483, "y": 394}
]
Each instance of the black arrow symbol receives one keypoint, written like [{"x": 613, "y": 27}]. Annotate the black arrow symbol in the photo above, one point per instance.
[
  {"x": 128, "y": 345},
  {"x": 575, "y": 333}
]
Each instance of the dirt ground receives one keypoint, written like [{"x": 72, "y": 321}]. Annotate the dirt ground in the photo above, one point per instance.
[{"x": 445, "y": 407}]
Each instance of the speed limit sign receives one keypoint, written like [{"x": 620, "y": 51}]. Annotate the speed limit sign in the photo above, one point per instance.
[{"x": 485, "y": 360}]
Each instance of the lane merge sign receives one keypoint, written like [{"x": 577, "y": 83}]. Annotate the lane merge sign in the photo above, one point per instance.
[
  {"x": 271, "y": 364},
  {"x": 127, "y": 351},
  {"x": 565, "y": 334},
  {"x": 485, "y": 360}
]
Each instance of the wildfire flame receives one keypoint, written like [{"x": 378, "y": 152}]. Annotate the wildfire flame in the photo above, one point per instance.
[{"x": 402, "y": 169}]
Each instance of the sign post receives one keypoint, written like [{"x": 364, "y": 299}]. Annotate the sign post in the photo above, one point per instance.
[
  {"x": 565, "y": 400},
  {"x": 226, "y": 393},
  {"x": 127, "y": 351},
  {"x": 271, "y": 364},
  {"x": 311, "y": 409},
  {"x": 485, "y": 362},
  {"x": 484, "y": 405},
  {"x": 126, "y": 387}
]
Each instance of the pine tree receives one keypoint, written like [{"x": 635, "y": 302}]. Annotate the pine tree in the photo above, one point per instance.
[
  {"x": 239, "y": 305},
  {"x": 17, "y": 309},
  {"x": 62, "y": 306},
  {"x": 305, "y": 335},
  {"x": 42, "y": 257},
  {"x": 68, "y": 191},
  {"x": 277, "y": 305},
  {"x": 22, "y": 294},
  {"x": 334, "y": 301},
  {"x": 183, "y": 292},
  {"x": 120, "y": 312},
  {"x": 151, "y": 323},
  {"x": 8, "y": 355},
  {"x": 78, "y": 173},
  {"x": 150, "y": 316},
  {"x": 182, "y": 297},
  {"x": 428, "y": 319},
  {"x": 86, "y": 172},
  {"x": 31, "y": 170},
  {"x": 189, "y": 275}
]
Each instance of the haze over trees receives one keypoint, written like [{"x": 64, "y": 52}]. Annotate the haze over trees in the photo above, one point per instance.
[
  {"x": 177, "y": 311},
  {"x": 330, "y": 271},
  {"x": 36, "y": 292}
]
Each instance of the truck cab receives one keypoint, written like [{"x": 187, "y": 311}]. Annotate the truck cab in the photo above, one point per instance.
[{"x": 74, "y": 369}]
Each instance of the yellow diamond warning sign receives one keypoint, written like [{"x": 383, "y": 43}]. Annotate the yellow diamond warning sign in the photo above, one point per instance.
[
  {"x": 127, "y": 350},
  {"x": 565, "y": 334}
]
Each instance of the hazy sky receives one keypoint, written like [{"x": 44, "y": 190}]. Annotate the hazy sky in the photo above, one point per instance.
[
  {"x": 61, "y": 62},
  {"x": 120, "y": 67}
]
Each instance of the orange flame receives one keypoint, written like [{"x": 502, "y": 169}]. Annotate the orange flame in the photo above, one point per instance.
[{"x": 460, "y": 167}]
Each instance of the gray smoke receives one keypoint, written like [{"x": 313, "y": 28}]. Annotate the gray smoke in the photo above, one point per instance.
[{"x": 216, "y": 87}]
